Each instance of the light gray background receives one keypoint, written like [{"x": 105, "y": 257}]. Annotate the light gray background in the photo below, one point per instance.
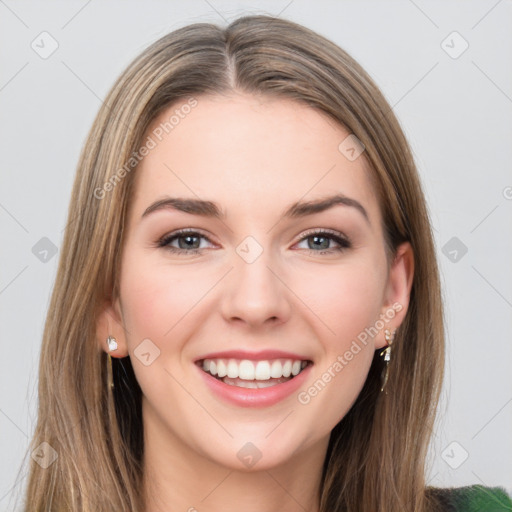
[{"x": 456, "y": 113}]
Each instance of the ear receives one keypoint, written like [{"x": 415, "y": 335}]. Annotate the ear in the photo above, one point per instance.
[
  {"x": 110, "y": 323},
  {"x": 397, "y": 292}
]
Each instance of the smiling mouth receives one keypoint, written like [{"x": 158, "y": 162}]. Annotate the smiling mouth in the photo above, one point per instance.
[{"x": 245, "y": 373}]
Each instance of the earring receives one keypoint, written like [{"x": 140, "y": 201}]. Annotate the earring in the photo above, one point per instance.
[
  {"x": 387, "y": 356},
  {"x": 111, "y": 343},
  {"x": 112, "y": 346}
]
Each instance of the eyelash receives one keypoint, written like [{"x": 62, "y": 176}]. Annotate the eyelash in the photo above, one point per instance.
[{"x": 343, "y": 242}]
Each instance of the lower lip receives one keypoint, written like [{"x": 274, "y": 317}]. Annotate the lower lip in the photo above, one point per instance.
[{"x": 248, "y": 397}]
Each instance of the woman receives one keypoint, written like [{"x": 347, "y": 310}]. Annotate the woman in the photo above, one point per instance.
[{"x": 247, "y": 312}]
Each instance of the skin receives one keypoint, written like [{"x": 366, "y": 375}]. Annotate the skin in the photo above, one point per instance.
[{"x": 254, "y": 156}]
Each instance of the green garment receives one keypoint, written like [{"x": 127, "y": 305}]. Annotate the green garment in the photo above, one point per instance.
[{"x": 474, "y": 498}]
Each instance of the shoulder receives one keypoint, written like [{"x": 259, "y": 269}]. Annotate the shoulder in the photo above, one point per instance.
[{"x": 472, "y": 498}]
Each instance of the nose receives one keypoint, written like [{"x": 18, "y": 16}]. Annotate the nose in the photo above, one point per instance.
[{"x": 255, "y": 293}]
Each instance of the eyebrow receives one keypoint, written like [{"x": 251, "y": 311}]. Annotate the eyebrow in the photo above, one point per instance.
[{"x": 296, "y": 210}]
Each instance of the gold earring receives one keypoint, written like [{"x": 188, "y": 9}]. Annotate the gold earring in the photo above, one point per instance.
[
  {"x": 112, "y": 345},
  {"x": 386, "y": 352}
]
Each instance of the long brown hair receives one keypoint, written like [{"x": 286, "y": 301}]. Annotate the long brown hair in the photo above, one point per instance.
[{"x": 376, "y": 457}]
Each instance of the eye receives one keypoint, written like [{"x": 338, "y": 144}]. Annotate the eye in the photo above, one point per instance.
[
  {"x": 320, "y": 241},
  {"x": 183, "y": 241},
  {"x": 188, "y": 241}
]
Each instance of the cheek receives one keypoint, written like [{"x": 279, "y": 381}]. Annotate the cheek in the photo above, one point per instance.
[
  {"x": 345, "y": 299},
  {"x": 157, "y": 298},
  {"x": 346, "y": 302},
  {"x": 158, "y": 304},
  {"x": 161, "y": 300}
]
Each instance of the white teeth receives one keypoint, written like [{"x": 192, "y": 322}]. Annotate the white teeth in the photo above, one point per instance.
[
  {"x": 248, "y": 370},
  {"x": 232, "y": 369},
  {"x": 262, "y": 370},
  {"x": 265, "y": 384},
  {"x": 276, "y": 370},
  {"x": 221, "y": 368},
  {"x": 296, "y": 367},
  {"x": 242, "y": 383},
  {"x": 253, "y": 384}
]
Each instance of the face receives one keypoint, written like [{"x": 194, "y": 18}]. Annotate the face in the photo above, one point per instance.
[{"x": 252, "y": 282}]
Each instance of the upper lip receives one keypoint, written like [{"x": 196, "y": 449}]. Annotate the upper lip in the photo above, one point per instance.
[{"x": 262, "y": 355}]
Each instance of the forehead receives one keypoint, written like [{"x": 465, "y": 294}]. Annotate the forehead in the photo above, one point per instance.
[{"x": 246, "y": 151}]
